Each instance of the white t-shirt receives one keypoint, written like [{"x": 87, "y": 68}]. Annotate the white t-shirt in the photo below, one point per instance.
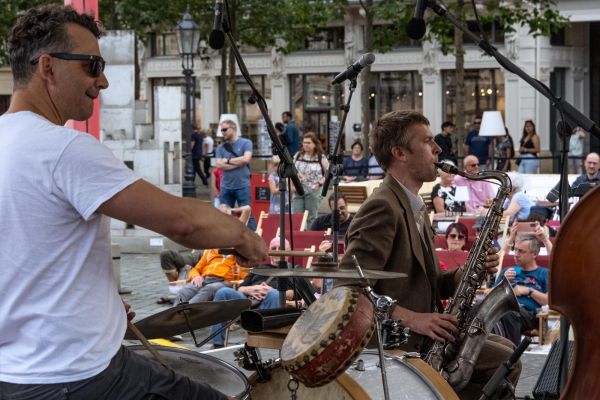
[
  {"x": 61, "y": 317},
  {"x": 210, "y": 144}
]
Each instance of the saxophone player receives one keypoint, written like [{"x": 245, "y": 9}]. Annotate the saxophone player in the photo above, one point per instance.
[{"x": 391, "y": 232}]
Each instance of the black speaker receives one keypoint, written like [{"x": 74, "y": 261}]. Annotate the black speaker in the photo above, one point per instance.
[{"x": 547, "y": 385}]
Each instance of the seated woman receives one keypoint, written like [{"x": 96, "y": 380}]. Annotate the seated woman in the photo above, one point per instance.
[
  {"x": 443, "y": 194},
  {"x": 518, "y": 203},
  {"x": 355, "y": 165},
  {"x": 457, "y": 236}
]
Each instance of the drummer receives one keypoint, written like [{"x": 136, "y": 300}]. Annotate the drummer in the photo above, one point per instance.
[
  {"x": 391, "y": 232},
  {"x": 62, "y": 322}
]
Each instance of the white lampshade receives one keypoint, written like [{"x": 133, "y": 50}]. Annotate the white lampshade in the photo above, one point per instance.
[{"x": 492, "y": 124}]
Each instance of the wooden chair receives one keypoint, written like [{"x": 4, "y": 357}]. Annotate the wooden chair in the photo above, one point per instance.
[
  {"x": 355, "y": 196},
  {"x": 268, "y": 224},
  {"x": 428, "y": 202}
]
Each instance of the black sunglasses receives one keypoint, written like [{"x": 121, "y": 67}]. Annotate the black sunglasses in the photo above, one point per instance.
[
  {"x": 95, "y": 64},
  {"x": 455, "y": 236}
]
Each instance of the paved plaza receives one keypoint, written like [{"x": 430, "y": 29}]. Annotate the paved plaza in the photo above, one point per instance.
[{"x": 141, "y": 274}]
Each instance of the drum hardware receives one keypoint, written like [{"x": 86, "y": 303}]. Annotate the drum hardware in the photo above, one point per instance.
[
  {"x": 384, "y": 307},
  {"x": 498, "y": 387},
  {"x": 188, "y": 317},
  {"x": 212, "y": 335},
  {"x": 249, "y": 358}
]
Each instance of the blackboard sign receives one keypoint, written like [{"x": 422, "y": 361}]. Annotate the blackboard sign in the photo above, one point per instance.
[{"x": 262, "y": 193}]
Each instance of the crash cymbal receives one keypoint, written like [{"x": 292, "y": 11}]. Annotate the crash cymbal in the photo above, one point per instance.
[
  {"x": 172, "y": 322},
  {"x": 328, "y": 273}
]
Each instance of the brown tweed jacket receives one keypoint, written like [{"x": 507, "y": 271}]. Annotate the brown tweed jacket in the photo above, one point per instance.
[{"x": 383, "y": 236}]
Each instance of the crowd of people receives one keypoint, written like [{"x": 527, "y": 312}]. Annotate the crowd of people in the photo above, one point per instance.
[{"x": 60, "y": 187}]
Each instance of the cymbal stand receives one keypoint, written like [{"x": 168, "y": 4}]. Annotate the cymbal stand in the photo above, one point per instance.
[
  {"x": 249, "y": 358},
  {"x": 189, "y": 325},
  {"x": 212, "y": 335},
  {"x": 383, "y": 310}
]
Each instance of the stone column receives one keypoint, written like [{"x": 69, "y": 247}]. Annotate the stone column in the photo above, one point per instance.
[{"x": 432, "y": 86}]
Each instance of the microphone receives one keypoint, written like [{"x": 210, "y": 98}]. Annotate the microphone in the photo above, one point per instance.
[
  {"x": 354, "y": 69},
  {"x": 416, "y": 26},
  {"x": 216, "y": 40}
]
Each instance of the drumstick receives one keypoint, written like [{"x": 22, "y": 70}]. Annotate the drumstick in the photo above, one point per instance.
[{"x": 146, "y": 343}]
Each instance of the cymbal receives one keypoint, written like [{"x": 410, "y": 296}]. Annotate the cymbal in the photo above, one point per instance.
[
  {"x": 328, "y": 273},
  {"x": 172, "y": 322},
  {"x": 295, "y": 253}
]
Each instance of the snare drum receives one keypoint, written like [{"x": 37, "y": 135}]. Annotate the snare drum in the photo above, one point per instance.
[
  {"x": 204, "y": 369},
  {"x": 325, "y": 340}
]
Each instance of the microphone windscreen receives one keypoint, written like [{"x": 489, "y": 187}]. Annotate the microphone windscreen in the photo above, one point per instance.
[
  {"x": 415, "y": 29},
  {"x": 216, "y": 40}
]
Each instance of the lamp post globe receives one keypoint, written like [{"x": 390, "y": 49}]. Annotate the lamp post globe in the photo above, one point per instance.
[{"x": 188, "y": 38}]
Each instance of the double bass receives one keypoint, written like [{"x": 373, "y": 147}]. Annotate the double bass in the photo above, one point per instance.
[{"x": 573, "y": 291}]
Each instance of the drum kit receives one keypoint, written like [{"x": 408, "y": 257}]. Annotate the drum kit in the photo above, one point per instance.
[{"x": 322, "y": 356}]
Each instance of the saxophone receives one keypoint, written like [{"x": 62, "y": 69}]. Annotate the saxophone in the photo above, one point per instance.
[{"x": 455, "y": 361}]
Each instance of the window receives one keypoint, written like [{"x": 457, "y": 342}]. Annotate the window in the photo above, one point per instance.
[
  {"x": 164, "y": 44},
  {"x": 326, "y": 39},
  {"x": 484, "y": 91},
  {"x": 398, "y": 90}
]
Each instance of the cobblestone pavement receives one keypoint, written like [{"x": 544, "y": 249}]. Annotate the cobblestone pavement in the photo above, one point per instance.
[{"x": 141, "y": 274}]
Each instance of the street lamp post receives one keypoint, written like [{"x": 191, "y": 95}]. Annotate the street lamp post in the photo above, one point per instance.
[{"x": 188, "y": 35}]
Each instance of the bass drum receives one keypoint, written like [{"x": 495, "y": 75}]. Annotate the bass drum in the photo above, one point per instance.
[
  {"x": 408, "y": 379},
  {"x": 204, "y": 369}
]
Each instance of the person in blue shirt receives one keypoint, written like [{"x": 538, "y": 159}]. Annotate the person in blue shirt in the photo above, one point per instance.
[
  {"x": 530, "y": 284},
  {"x": 233, "y": 158},
  {"x": 291, "y": 133},
  {"x": 479, "y": 146},
  {"x": 355, "y": 165}
]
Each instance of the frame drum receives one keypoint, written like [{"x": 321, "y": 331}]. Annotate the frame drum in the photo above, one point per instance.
[
  {"x": 202, "y": 368},
  {"x": 325, "y": 340}
]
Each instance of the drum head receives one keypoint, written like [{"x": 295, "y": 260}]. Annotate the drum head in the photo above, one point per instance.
[
  {"x": 202, "y": 368},
  {"x": 406, "y": 380},
  {"x": 323, "y": 318}
]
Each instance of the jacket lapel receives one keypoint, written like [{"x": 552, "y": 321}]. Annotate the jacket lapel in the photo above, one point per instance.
[{"x": 415, "y": 237}]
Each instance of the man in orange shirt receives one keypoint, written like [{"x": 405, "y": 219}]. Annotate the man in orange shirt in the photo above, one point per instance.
[{"x": 213, "y": 272}]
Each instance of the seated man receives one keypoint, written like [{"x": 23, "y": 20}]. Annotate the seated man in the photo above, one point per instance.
[
  {"x": 530, "y": 284},
  {"x": 325, "y": 222},
  {"x": 213, "y": 272},
  {"x": 480, "y": 192},
  {"x": 592, "y": 173},
  {"x": 260, "y": 289},
  {"x": 176, "y": 267}
]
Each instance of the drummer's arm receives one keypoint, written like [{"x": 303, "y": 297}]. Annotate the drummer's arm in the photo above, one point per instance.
[{"x": 184, "y": 220}]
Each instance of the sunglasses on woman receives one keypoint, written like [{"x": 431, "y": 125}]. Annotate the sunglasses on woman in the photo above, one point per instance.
[
  {"x": 95, "y": 64},
  {"x": 455, "y": 236}
]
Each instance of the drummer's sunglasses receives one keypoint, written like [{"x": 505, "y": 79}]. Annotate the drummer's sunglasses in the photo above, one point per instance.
[{"x": 95, "y": 64}]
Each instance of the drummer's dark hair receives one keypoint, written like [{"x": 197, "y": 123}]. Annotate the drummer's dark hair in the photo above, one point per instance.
[{"x": 42, "y": 30}]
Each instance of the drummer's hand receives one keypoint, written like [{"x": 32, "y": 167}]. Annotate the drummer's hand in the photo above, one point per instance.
[
  {"x": 130, "y": 314},
  {"x": 439, "y": 327},
  {"x": 252, "y": 251},
  {"x": 492, "y": 261},
  {"x": 197, "y": 281}
]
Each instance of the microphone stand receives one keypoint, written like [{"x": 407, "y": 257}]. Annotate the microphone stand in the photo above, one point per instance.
[
  {"x": 565, "y": 109},
  {"x": 336, "y": 168},
  {"x": 286, "y": 167}
]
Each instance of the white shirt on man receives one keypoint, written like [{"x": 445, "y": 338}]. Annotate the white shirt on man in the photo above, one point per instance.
[{"x": 61, "y": 316}]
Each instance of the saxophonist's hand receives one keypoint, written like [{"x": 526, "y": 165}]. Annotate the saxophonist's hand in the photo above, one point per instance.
[{"x": 492, "y": 261}]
